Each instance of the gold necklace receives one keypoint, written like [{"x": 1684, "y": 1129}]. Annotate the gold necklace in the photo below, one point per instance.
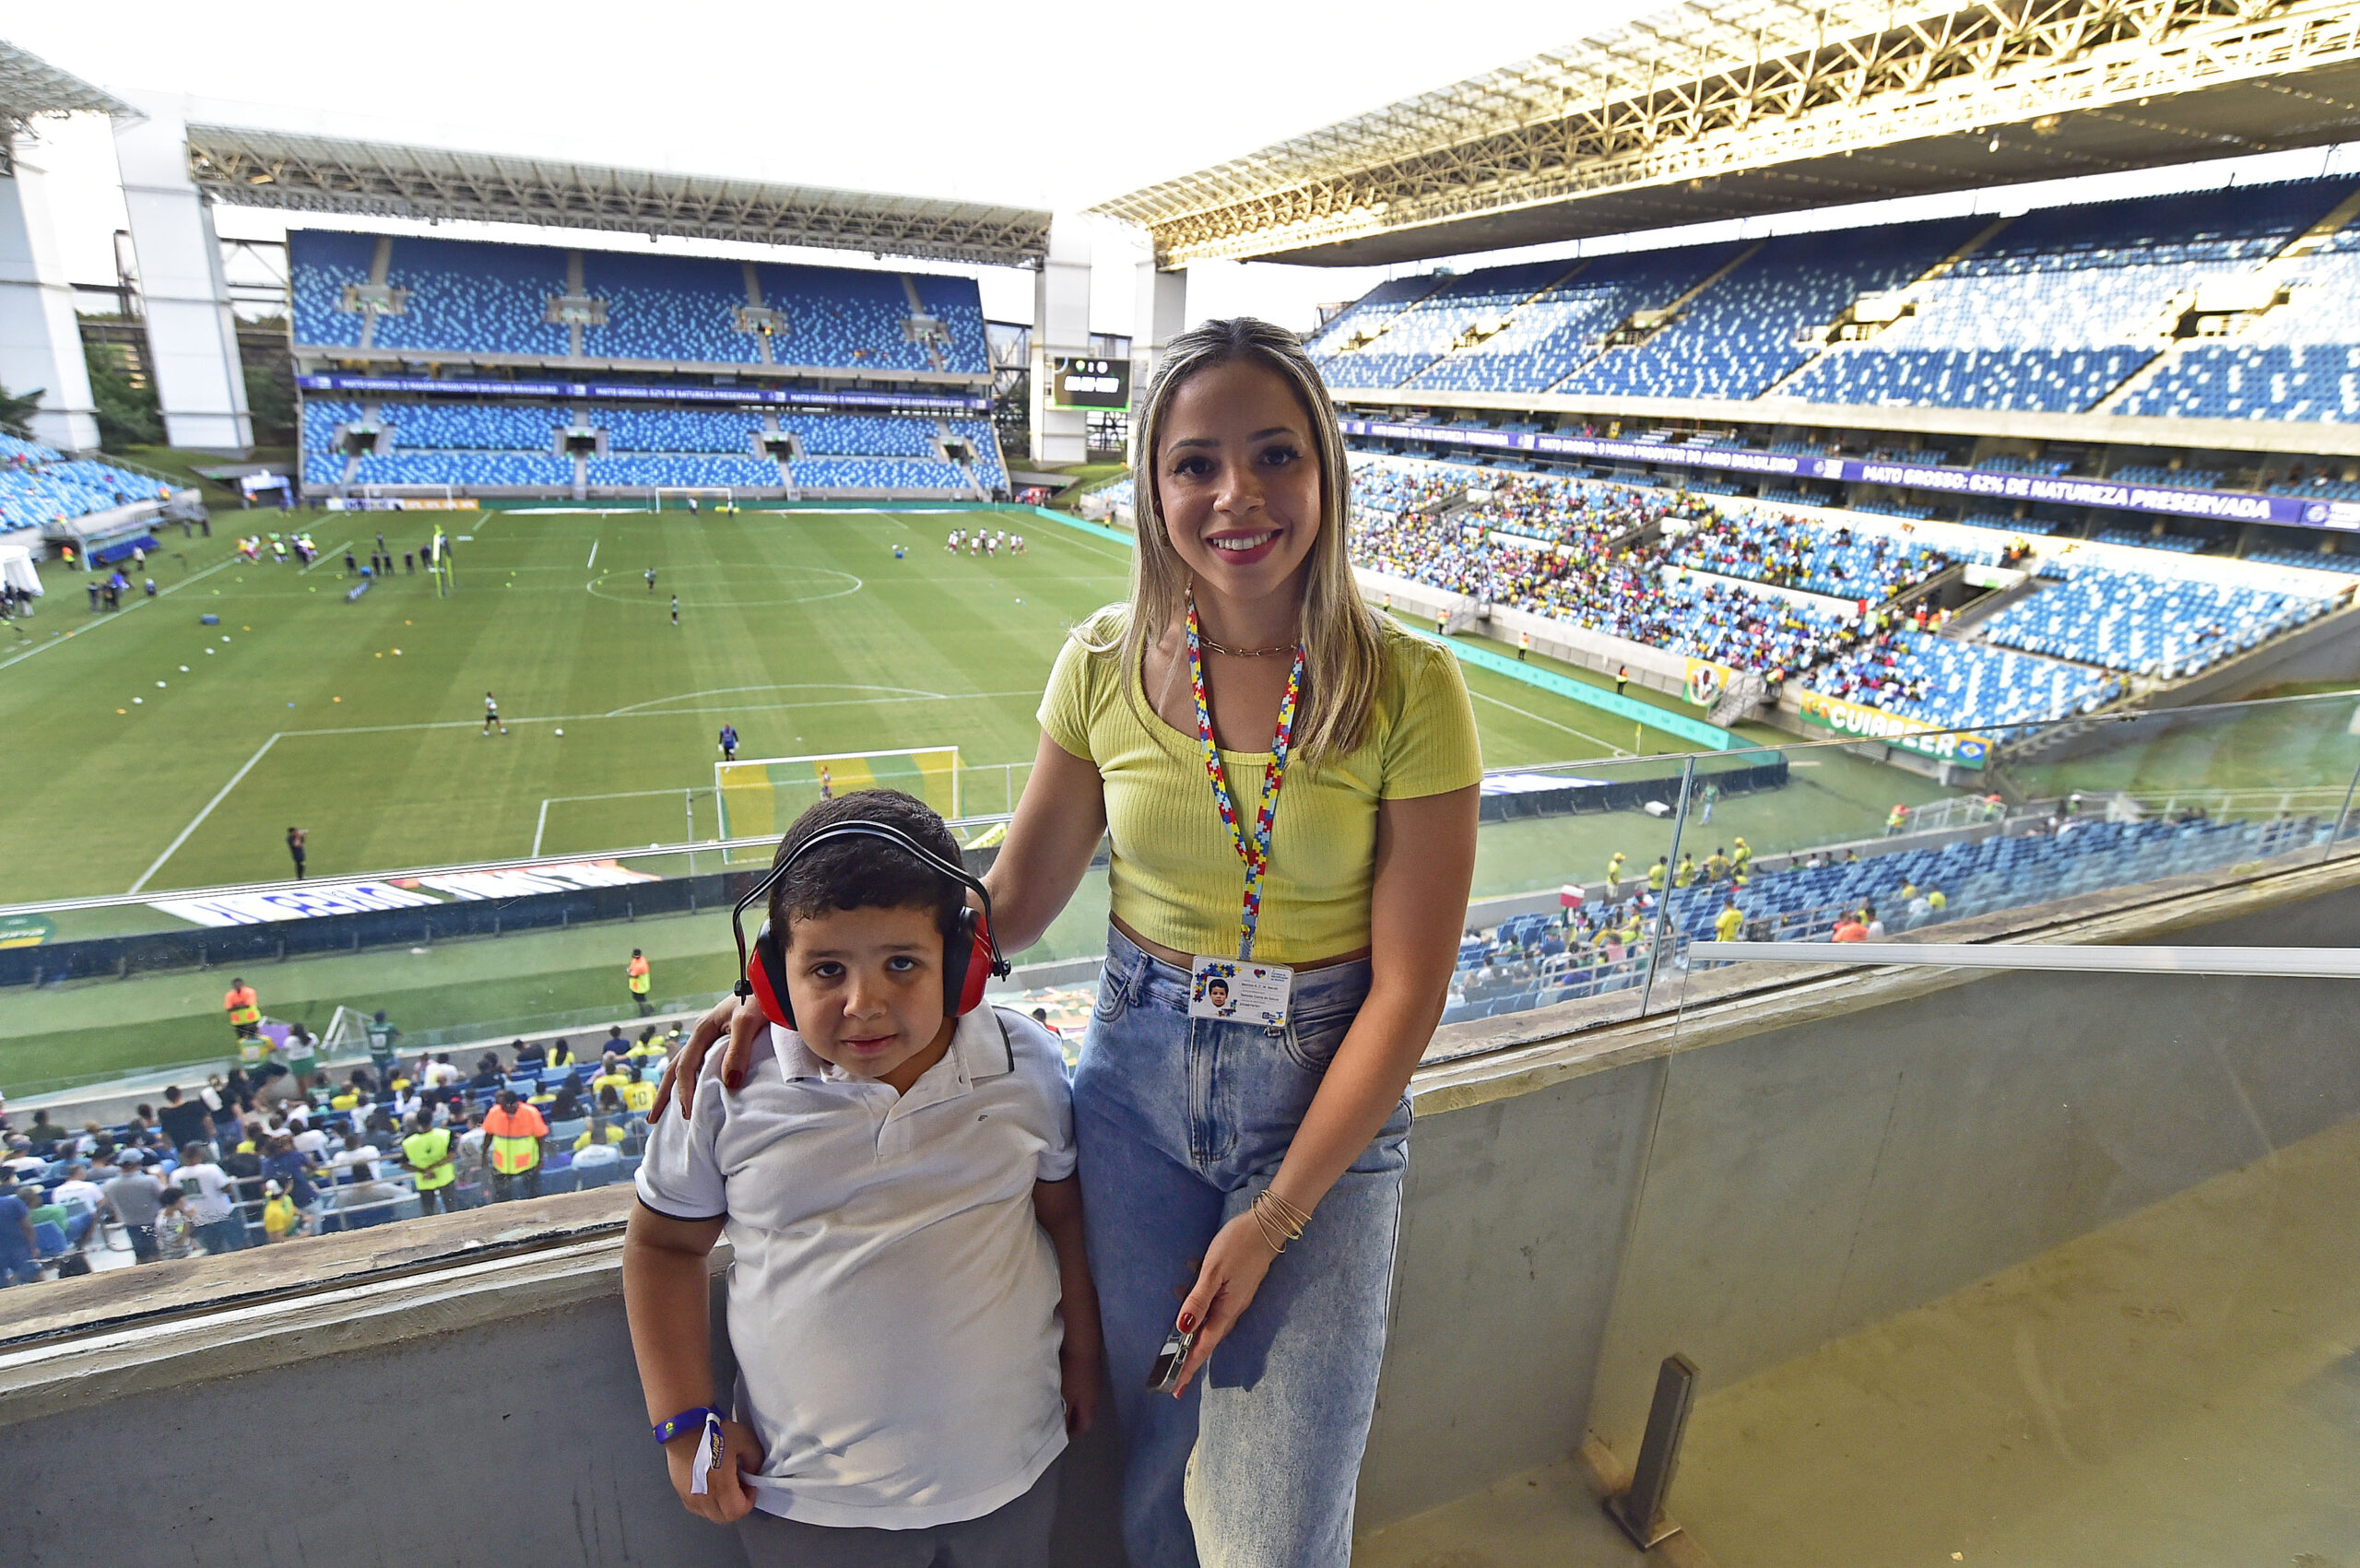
[{"x": 1205, "y": 642}]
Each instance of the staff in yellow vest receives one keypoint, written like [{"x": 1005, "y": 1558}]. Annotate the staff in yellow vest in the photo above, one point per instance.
[
  {"x": 512, "y": 1131},
  {"x": 245, "y": 1015},
  {"x": 427, "y": 1151},
  {"x": 636, "y": 972}
]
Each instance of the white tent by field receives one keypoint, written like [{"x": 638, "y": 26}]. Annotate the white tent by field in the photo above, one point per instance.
[{"x": 16, "y": 569}]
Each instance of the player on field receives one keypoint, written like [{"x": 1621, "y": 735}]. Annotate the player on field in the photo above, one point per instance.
[
  {"x": 729, "y": 743},
  {"x": 951, "y": 544},
  {"x": 492, "y": 714},
  {"x": 651, "y": 579},
  {"x": 676, "y": 609}
]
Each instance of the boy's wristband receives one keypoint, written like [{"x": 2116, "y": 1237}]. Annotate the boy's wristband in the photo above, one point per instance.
[{"x": 686, "y": 1420}]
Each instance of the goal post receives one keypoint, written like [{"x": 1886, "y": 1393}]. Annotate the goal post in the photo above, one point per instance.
[
  {"x": 760, "y": 796},
  {"x": 719, "y": 497}
]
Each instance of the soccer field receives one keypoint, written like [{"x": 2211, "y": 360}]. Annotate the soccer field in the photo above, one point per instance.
[{"x": 149, "y": 752}]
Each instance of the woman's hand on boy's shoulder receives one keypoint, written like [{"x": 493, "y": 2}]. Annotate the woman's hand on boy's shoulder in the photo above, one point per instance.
[
  {"x": 739, "y": 1018},
  {"x": 727, "y": 1498}
]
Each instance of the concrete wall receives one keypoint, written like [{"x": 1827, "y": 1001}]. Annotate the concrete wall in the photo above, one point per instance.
[{"x": 1738, "y": 1186}]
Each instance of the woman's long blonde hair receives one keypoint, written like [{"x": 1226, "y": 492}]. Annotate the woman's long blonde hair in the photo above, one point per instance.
[{"x": 1343, "y": 650}]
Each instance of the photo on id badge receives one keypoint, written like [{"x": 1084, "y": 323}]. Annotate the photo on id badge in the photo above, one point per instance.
[{"x": 1240, "y": 991}]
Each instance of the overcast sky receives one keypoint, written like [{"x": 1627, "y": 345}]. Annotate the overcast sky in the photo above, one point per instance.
[{"x": 1054, "y": 103}]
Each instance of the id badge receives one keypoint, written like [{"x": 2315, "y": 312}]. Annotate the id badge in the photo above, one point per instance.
[{"x": 1233, "y": 990}]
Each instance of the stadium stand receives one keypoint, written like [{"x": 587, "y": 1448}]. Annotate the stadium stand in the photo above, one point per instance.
[
  {"x": 479, "y": 297},
  {"x": 1738, "y": 337},
  {"x": 2147, "y": 625},
  {"x": 40, "y": 486},
  {"x": 2296, "y": 361}
]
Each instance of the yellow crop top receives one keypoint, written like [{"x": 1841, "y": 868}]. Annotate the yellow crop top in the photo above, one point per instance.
[{"x": 1175, "y": 876}]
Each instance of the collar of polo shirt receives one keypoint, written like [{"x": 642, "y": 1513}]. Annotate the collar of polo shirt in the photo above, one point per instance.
[{"x": 979, "y": 1049}]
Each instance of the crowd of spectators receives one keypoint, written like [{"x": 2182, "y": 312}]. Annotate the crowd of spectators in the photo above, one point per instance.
[{"x": 250, "y": 1160}]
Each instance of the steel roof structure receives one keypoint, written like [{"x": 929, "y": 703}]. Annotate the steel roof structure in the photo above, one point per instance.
[
  {"x": 1719, "y": 109},
  {"x": 251, "y": 167},
  {"x": 30, "y": 87}
]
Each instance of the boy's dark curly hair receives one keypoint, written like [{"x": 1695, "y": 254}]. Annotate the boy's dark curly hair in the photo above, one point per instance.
[{"x": 866, "y": 873}]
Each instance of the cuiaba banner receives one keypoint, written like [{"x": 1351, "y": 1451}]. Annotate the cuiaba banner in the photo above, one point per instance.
[
  {"x": 1893, "y": 729},
  {"x": 1705, "y": 681}
]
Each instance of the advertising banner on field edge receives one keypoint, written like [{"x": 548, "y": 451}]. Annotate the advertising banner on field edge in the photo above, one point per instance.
[
  {"x": 1705, "y": 682},
  {"x": 1910, "y": 735}
]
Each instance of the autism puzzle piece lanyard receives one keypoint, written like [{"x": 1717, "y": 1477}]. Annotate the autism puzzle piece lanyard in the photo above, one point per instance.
[{"x": 1252, "y": 849}]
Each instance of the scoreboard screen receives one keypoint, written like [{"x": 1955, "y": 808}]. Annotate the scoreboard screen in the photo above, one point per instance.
[{"x": 1091, "y": 383}]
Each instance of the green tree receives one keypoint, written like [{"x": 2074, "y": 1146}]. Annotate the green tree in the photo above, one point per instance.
[
  {"x": 271, "y": 404},
  {"x": 128, "y": 414},
  {"x": 16, "y": 411}
]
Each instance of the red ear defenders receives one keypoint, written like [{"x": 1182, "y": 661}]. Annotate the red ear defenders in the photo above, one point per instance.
[{"x": 970, "y": 955}]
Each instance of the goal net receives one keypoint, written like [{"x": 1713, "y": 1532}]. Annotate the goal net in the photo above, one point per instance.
[
  {"x": 708, "y": 498},
  {"x": 760, "y": 796}
]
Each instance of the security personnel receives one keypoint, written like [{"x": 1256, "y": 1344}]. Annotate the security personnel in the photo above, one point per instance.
[
  {"x": 1686, "y": 873},
  {"x": 245, "y": 1013},
  {"x": 1741, "y": 859},
  {"x": 1614, "y": 878},
  {"x": 512, "y": 1131},
  {"x": 1896, "y": 819},
  {"x": 1656, "y": 875},
  {"x": 637, "y": 974},
  {"x": 1717, "y": 866},
  {"x": 427, "y": 1150}
]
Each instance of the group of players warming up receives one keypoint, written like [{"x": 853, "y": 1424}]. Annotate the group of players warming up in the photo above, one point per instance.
[{"x": 983, "y": 541}]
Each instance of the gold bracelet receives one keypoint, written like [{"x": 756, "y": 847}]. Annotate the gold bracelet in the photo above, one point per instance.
[
  {"x": 1294, "y": 1216},
  {"x": 1278, "y": 1220}
]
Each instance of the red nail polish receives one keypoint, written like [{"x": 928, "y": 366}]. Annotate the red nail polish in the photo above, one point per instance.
[{"x": 1188, "y": 1322}]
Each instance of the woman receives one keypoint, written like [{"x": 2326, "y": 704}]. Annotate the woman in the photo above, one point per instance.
[{"x": 1212, "y": 1144}]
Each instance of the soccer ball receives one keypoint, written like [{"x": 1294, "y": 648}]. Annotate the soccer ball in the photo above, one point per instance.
[{"x": 561, "y": 732}]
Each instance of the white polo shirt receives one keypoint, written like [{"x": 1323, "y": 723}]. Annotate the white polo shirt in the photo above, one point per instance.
[{"x": 893, "y": 1304}]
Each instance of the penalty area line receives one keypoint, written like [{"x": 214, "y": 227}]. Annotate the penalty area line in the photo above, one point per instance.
[
  {"x": 198, "y": 819},
  {"x": 1613, "y": 750}
]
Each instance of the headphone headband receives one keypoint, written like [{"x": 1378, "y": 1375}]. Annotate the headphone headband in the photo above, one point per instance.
[{"x": 887, "y": 832}]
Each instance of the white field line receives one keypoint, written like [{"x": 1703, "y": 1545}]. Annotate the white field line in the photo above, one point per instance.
[
  {"x": 198, "y": 819},
  {"x": 137, "y": 605},
  {"x": 324, "y": 555},
  {"x": 594, "y": 556},
  {"x": 1611, "y": 747},
  {"x": 723, "y": 708},
  {"x": 558, "y": 799}
]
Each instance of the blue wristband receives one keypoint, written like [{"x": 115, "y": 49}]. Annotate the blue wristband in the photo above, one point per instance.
[{"x": 687, "y": 1420}]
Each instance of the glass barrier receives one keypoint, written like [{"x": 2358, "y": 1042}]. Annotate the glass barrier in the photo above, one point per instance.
[
  {"x": 2010, "y": 1264},
  {"x": 1595, "y": 881}
]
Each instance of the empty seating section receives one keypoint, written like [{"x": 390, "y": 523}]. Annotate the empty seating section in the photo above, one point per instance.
[
  {"x": 1565, "y": 326},
  {"x": 679, "y": 429},
  {"x": 33, "y": 494},
  {"x": 979, "y": 435},
  {"x": 878, "y": 473},
  {"x": 465, "y": 294},
  {"x": 475, "y": 296},
  {"x": 2156, "y": 474},
  {"x": 679, "y": 470},
  {"x": 2345, "y": 565},
  {"x": 2060, "y": 307},
  {"x": 2055, "y": 313},
  {"x": 1479, "y": 302},
  {"x": 1792, "y": 553},
  {"x": 861, "y": 435},
  {"x": 1941, "y": 681},
  {"x": 2138, "y": 538},
  {"x": 2164, "y": 626},
  {"x": 2300, "y": 361},
  {"x": 489, "y": 470},
  {"x": 1739, "y": 336},
  {"x": 321, "y": 263},
  {"x": 478, "y": 427}
]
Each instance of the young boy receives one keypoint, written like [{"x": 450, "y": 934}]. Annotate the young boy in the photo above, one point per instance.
[{"x": 910, "y": 1305}]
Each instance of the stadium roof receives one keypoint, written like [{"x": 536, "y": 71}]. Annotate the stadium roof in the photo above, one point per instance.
[
  {"x": 30, "y": 87},
  {"x": 1721, "y": 109},
  {"x": 308, "y": 173}
]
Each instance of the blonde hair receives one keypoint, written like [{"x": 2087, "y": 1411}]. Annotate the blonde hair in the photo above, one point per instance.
[{"x": 1344, "y": 651}]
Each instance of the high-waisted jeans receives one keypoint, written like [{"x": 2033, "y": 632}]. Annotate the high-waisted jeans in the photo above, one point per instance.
[{"x": 1180, "y": 1122}]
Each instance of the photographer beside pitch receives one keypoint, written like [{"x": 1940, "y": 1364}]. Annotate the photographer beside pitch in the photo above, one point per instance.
[
  {"x": 1245, "y": 661},
  {"x": 910, "y": 1306}
]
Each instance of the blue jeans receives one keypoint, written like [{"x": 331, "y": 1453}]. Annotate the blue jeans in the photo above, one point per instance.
[
  {"x": 223, "y": 1235},
  {"x": 1180, "y": 1122}
]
